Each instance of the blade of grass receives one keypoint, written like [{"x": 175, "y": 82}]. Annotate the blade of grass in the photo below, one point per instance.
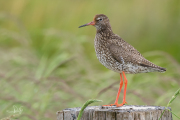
[
  {"x": 169, "y": 103},
  {"x": 85, "y": 105},
  {"x": 173, "y": 97}
]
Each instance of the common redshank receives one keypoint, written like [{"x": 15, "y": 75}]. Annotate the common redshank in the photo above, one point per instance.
[{"x": 117, "y": 55}]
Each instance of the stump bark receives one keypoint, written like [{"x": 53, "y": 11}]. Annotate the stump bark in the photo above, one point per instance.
[{"x": 126, "y": 112}]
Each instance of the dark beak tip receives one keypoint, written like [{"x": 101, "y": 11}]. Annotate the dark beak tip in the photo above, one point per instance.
[{"x": 83, "y": 25}]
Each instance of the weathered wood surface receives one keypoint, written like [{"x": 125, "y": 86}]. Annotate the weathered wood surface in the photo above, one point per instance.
[{"x": 126, "y": 112}]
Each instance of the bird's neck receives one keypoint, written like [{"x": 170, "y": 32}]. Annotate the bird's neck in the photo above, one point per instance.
[{"x": 104, "y": 29}]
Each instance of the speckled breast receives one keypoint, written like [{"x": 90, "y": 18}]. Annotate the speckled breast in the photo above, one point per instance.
[{"x": 104, "y": 56}]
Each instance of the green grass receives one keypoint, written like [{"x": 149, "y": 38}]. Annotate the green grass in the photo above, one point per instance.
[
  {"x": 48, "y": 64},
  {"x": 88, "y": 102},
  {"x": 170, "y": 102}
]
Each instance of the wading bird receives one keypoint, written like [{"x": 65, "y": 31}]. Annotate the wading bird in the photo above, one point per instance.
[{"x": 117, "y": 55}]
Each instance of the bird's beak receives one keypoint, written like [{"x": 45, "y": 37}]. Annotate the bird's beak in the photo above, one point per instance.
[{"x": 91, "y": 23}]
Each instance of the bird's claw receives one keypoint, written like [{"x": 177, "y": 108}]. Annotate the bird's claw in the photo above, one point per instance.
[{"x": 117, "y": 105}]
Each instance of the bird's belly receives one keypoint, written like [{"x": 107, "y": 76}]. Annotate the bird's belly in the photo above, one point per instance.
[
  {"x": 115, "y": 66},
  {"x": 109, "y": 62}
]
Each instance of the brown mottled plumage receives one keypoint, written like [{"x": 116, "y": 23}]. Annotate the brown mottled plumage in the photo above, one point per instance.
[{"x": 116, "y": 54}]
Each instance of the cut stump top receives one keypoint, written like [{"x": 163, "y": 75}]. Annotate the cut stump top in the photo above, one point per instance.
[{"x": 126, "y": 112}]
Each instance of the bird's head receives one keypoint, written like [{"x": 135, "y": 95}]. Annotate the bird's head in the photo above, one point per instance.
[{"x": 100, "y": 21}]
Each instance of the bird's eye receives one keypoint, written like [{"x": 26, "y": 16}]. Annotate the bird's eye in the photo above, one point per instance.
[{"x": 99, "y": 19}]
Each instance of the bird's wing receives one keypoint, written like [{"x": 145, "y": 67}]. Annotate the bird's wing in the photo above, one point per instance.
[
  {"x": 125, "y": 53},
  {"x": 122, "y": 54}
]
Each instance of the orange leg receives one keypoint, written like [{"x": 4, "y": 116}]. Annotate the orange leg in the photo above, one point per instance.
[
  {"x": 125, "y": 87},
  {"x": 120, "y": 86},
  {"x": 124, "y": 98}
]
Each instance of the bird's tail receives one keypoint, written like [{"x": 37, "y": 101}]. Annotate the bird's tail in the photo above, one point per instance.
[{"x": 161, "y": 69}]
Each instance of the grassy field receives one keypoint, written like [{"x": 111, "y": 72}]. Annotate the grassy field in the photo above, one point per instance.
[{"x": 47, "y": 63}]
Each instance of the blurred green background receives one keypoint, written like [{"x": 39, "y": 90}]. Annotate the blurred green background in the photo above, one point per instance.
[{"x": 48, "y": 64}]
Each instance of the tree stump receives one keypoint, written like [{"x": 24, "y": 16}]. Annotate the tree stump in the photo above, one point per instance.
[{"x": 126, "y": 112}]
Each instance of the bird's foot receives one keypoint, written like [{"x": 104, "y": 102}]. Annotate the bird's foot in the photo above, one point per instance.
[{"x": 117, "y": 105}]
